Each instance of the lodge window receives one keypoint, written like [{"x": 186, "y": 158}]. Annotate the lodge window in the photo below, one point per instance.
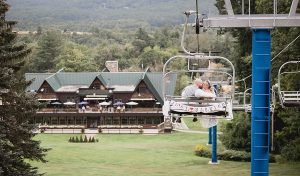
[
  {"x": 156, "y": 120},
  {"x": 71, "y": 121},
  {"x": 102, "y": 120},
  {"x": 124, "y": 120},
  {"x": 54, "y": 120},
  {"x": 79, "y": 121},
  {"x": 39, "y": 120},
  {"x": 62, "y": 120},
  {"x": 132, "y": 120},
  {"x": 96, "y": 86},
  {"x": 45, "y": 90},
  {"x": 148, "y": 120},
  {"x": 142, "y": 89},
  {"x": 116, "y": 120},
  {"x": 141, "y": 120},
  {"x": 71, "y": 99},
  {"x": 47, "y": 120},
  {"x": 84, "y": 119},
  {"x": 108, "y": 120}
]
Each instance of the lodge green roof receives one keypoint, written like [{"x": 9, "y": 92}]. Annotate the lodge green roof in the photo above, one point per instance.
[
  {"x": 85, "y": 79},
  {"x": 121, "y": 78},
  {"x": 37, "y": 80}
]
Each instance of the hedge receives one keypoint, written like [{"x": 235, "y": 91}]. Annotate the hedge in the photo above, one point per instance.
[{"x": 227, "y": 155}]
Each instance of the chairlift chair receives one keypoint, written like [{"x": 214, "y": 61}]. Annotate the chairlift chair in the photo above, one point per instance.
[
  {"x": 288, "y": 98},
  {"x": 242, "y": 101},
  {"x": 219, "y": 106}
]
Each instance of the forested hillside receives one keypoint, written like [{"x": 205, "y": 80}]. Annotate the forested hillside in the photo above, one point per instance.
[{"x": 80, "y": 15}]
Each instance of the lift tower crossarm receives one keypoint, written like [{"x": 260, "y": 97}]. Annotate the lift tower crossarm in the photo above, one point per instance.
[{"x": 254, "y": 20}]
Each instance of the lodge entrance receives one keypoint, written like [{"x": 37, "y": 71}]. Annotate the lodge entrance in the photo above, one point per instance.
[{"x": 92, "y": 122}]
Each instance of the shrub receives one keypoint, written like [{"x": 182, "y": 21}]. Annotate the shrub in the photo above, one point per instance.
[
  {"x": 85, "y": 139},
  {"x": 202, "y": 151},
  {"x": 76, "y": 139},
  {"x": 236, "y": 134},
  {"x": 227, "y": 155},
  {"x": 233, "y": 155},
  {"x": 291, "y": 151}
]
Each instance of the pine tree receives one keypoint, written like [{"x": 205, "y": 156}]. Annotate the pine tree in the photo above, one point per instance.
[
  {"x": 49, "y": 48},
  {"x": 17, "y": 108},
  {"x": 85, "y": 139}
]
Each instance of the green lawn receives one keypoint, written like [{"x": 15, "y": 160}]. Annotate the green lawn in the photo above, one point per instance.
[
  {"x": 197, "y": 125},
  {"x": 140, "y": 155}
]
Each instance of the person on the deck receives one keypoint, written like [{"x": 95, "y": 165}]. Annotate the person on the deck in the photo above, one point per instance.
[{"x": 190, "y": 90}]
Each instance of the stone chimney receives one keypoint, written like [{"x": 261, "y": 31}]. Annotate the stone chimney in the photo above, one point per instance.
[{"x": 112, "y": 66}]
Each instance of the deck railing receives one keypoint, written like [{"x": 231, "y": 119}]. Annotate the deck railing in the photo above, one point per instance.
[{"x": 96, "y": 110}]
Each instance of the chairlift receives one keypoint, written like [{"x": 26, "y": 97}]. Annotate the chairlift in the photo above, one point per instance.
[
  {"x": 288, "y": 98},
  {"x": 242, "y": 101},
  {"x": 219, "y": 106}
]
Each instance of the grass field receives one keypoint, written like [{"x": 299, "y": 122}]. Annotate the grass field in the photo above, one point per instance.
[
  {"x": 140, "y": 155},
  {"x": 197, "y": 125}
]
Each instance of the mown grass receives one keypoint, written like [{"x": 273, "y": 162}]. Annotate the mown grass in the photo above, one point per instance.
[
  {"x": 140, "y": 155},
  {"x": 188, "y": 120}
]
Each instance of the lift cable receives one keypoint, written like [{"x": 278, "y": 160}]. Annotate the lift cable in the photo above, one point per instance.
[
  {"x": 273, "y": 57},
  {"x": 197, "y": 26}
]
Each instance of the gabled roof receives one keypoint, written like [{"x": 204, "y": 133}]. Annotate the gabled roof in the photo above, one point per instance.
[
  {"x": 154, "y": 82},
  {"x": 100, "y": 77},
  {"x": 66, "y": 81},
  {"x": 76, "y": 78},
  {"x": 121, "y": 78},
  {"x": 37, "y": 80},
  {"x": 54, "y": 82}
]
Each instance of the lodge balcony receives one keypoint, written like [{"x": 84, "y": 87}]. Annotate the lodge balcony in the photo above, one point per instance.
[
  {"x": 97, "y": 118},
  {"x": 96, "y": 110}
]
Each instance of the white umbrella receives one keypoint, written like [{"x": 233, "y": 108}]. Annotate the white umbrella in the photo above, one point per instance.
[
  {"x": 132, "y": 103},
  {"x": 104, "y": 103},
  {"x": 69, "y": 103}
]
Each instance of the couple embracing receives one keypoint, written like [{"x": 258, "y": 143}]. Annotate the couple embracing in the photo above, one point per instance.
[{"x": 199, "y": 89}]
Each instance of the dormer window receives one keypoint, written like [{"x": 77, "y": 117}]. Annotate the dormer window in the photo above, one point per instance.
[{"x": 96, "y": 86}]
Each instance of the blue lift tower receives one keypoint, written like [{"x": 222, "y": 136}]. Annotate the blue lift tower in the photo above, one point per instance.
[{"x": 261, "y": 25}]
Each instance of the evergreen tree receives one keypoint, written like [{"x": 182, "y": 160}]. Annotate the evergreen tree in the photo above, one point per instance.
[
  {"x": 142, "y": 40},
  {"x": 49, "y": 48},
  {"x": 75, "y": 58},
  {"x": 18, "y": 107}
]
